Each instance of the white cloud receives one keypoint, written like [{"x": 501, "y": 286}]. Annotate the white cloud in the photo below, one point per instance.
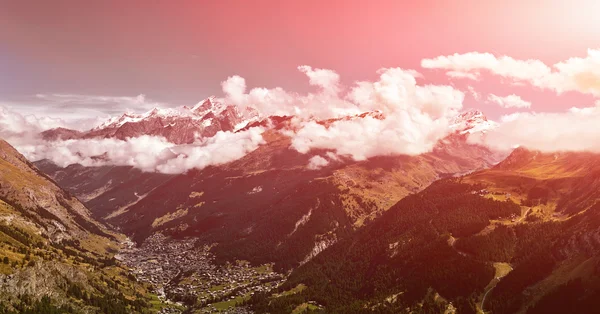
[
  {"x": 463, "y": 75},
  {"x": 81, "y": 112},
  {"x": 476, "y": 95},
  {"x": 474, "y": 62},
  {"x": 328, "y": 80},
  {"x": 510, "y": 101},
  {"x": 586, "y": 110},
  {"x": 142, "y": 152},
  {"x": 413, "y": 119},
  {"x": 574, "y": 130},
  {"x": 13, "y": 124},
  {"x": 222, "y": 148},
  {"x": 148, "y": 153},
  {"x": 276, "y": 101},
  {"x": 234, "y": 88},
  {"x": 332, "y": 156},
  {"x": 575, "y": 74},
  {"x": 105, "y": 104},
  {"x": 317, "y": 162}
]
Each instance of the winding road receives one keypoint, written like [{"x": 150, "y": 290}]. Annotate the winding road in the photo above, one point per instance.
[{"x": 502, "y": 269}]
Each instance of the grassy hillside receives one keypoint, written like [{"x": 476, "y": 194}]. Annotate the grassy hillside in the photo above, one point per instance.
[{"x": 53, "y": 257}]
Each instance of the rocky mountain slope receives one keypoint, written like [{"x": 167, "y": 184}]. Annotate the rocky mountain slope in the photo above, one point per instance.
[
  {"x": 521, "y": 237},
  {"x": 24, "y": 187},
  {"x": 54, "y": 258},
  {"x": 104, "y": 189}
]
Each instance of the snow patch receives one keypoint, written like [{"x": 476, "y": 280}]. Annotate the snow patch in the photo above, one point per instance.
[
  {"x": 256, "y": 189},
  {"x": 473, "y": 121}
]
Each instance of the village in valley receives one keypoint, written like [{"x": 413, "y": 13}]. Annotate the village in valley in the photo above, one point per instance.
[{"x": 185, "y": 275}]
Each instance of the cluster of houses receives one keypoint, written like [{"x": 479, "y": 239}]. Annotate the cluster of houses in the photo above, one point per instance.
[{"x": 184, "y": 271}]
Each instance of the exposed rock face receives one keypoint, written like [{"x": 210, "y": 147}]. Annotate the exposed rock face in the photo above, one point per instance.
[
  {"x": 60, "y": 134},
  {"x": 27, "y": 189},
  {"x": 104, "y": 189},
  {"x": 53, "y": 256},
  {"x": 44, "y": 279},
  {"x": 319, "y": 247}
]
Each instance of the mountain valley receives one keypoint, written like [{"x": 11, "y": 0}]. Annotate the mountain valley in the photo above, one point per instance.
[
  {"x": 381, "y": 157},
  {"x": 289, "y": 215},
  {"x": 456, "y": 230}
]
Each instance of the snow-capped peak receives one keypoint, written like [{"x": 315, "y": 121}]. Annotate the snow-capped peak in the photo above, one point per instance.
[
  {"x": 204, "y": 111},
  {"x": 209, "y": 104},
  {"x": 119, "y": 121},
  {"x": 116, "y": 122},
  {"x": 472, "y": 121},
  {"x": 168, "y": 112}
]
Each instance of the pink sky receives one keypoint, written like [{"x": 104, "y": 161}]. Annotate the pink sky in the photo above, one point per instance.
[
  {"x": 180, "y": 53},
  {"x": 525, "y": 64}
]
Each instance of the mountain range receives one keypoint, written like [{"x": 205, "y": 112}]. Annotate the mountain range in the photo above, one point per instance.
[
  {"x": 460, "y": 229},
  {"x": 266, "y": 206},
  {"x": 180, "y": 125}
]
